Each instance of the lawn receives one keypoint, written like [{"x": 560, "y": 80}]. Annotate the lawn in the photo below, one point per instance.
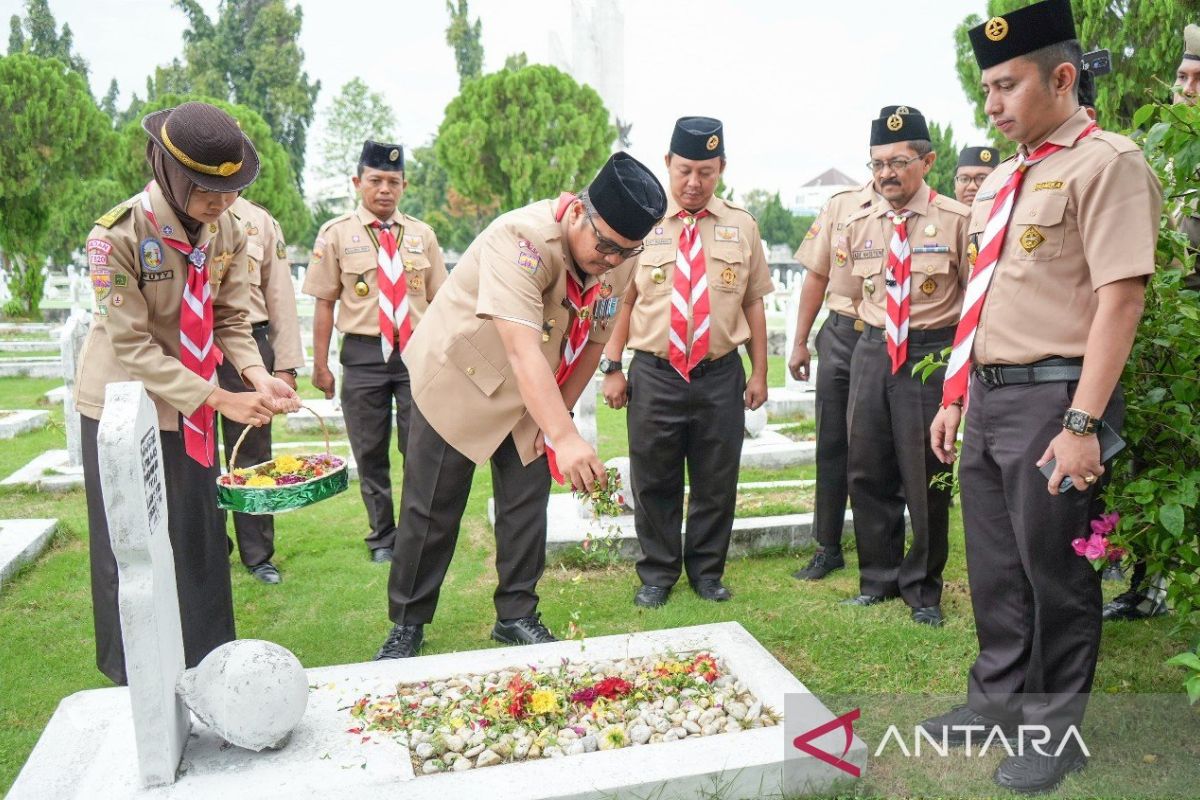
[{"x": 331, "y": 609}]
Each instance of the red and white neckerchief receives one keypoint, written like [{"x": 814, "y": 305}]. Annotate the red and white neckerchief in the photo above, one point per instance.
[
  {"x": 689, "y": 292},
  {"x": 899, "y": 267},
  {"x": 196, "y": 350},
  {"x": 958, "y": 371},
  {"x": 577, "y": 334},
  {"x": 395, "y": 326}
]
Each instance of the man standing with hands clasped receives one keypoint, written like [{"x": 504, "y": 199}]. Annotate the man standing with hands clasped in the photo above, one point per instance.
[{"x": 1063, "y": 240}]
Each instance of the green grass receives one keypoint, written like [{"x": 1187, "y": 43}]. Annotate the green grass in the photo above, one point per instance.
[{"x": 332, "y": 609}]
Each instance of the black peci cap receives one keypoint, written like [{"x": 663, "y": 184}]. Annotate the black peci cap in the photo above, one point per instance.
[
  {"x": 978, "y": 157},
  {"x": 1021, "y": 32},
  {"x": 627, "y": 196},
  {"x": 698, "y": 138},
  {"x": 901, "y": 124},
  {"x": 377, "y": 155}
]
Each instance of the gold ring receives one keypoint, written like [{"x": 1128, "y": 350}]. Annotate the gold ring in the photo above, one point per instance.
[{"x": 1089, "y": 478}]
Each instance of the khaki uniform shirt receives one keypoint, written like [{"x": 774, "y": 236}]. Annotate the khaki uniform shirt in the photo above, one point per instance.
[
  {"x": 1085, "y": 217},
  {"x": 736, "y": 268},
  {"x": 347, "y": 250},
  {"x": 272, "y": 293},
  {"x": 138, "y": 280},
  {"x": 825, "y": 250},
  {"x": 461, "y": 377},
  {"x": 937, "y": 237}
]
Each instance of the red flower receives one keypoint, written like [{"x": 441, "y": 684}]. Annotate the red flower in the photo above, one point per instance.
[
  {"x": 586, "y": 696},
  {"x": 706, "y": 667},
  {"x": 613, "y": 688}
]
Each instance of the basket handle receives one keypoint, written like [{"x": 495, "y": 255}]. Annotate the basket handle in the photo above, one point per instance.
[{"x": 247, "y": 428}]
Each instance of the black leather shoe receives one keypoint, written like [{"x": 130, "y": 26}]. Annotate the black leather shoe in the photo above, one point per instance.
[
  {"x": 266, "y": 572},
  {"x": 865, "y": 600},
  {"x": 821, "y": 565},
  {"x": 403, "y": 642},
  {"x": 955, "y": 722},
  {"x": 651, "y": 596},
  {"x": 928, "y": 615},
  {"x": 1034, "y": 773},
  {"x": 1130, "y": 606},
  {"x": 526, "y": 630},
  {"x": 711, "y": 589},
  {"x": 382, "y": 555}
]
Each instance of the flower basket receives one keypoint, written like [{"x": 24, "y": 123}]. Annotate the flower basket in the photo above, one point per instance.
[{"x": 284, "y": 483}]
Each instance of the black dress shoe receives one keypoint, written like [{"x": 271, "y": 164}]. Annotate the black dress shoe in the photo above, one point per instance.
[
  {"x": 526, "y": 630},
  {"x": 711, "y": 589},
  {"x": 865, "y": 600},
  {"x": 1132, "y": 605},
  {"x": 928, "y": 615},
  {"x": 1034, "y": 773},
  {"x": 265, "y": 572},
  {"x": 651, "y": 596},
  {"x": 403, "y": 642},
  {"x": 821, "y": 565},
  {"x": 955, "y": 722},
  {"x": 382, "y": 555}
]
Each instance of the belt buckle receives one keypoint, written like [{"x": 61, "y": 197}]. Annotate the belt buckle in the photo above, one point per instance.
[
  {"x": 990, "y": 375},
  {"x": 859, "y": 326}
]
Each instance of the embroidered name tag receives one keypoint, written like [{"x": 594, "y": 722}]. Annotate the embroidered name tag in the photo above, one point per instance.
[
  {"x": 349, "y": 251},
  {"x": 1044, "y": 185},
  {"x": 869, "y": 253}
]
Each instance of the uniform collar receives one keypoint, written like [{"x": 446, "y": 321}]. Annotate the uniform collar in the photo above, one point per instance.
[
  {"x": 715, "y": 206},
  {"x": 866, "y": 195},
  {"x": 368, "y": 219},
  {"x": 919, "y": 204},
  {"x": 1067, "y": 134},
  {"x": 166, "y": 218}
]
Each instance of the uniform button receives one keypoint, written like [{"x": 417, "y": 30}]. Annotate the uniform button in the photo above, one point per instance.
[{"x": 470, "y": 370}]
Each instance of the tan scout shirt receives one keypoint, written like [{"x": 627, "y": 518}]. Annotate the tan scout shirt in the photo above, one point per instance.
[
  {"x": 1085, "y": 217},
  {"x": 825, "y": 250},
  {"x": 272, "y": 293},
  {"x": 937, "y": 235},
  {"x": 461, "y": 378},
  {"x": 346, "y": 250},
  {"x": 736, "y": 268},
  {"x": 138, "y": 280}
]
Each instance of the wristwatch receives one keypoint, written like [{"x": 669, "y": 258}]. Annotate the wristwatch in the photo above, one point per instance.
[
  {"x": 1081, "y": 423},
  {"x": 608, "y": 366}
]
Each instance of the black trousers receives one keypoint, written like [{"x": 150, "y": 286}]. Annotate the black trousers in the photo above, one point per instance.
[
  {"x": 196, "y": 528},
  {"x": 835, "y": 345},
  {"x": 1037, "y": 604},
  {"x": 673, "y": 423},
  {"x": 369, "y": 387},
  {"x": 437, "y": 483},
  {"x": 890, "y": 415},
  {"x": 255, "y": 532}
]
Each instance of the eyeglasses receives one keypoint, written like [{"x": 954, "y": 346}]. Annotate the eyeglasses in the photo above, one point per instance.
[
  {"x": 608, "y": 247},
  {"x": 963, "y": 180},
  {"x": 896, "y": 164}
]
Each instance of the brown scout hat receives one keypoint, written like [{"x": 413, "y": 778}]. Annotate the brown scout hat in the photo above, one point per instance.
[{"x": 207, "y": 143}]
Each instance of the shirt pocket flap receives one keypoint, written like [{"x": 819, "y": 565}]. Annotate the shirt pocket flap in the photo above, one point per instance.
[
  {"x": 728, "y": 253},
  {"x": 657, "y": 257},
  {"x": 415, "y": 261},
  {"x": 464, "y": 355},
  {"x": 1045, "y": 210},
  {"x": 930, "y": 263}
]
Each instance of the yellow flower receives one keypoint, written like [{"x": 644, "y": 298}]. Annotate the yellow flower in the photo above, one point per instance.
[
  {"x": 612, "y": 737},
  {"x": 493, "y": 709},
  {"x": 261, "y": 480},
  {"x": 543, "y": 701},
  {"x": 243, "y": 473},
  {"x": 286, "y": 464}
]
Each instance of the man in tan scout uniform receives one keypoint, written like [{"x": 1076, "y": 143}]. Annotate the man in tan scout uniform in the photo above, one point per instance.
[
  {"x": 909, "y": 249},
  {"x": 276, "y": 330},
  {"x": 377, "y": 311},
  {"x": 506, "y": 348},
  {"x": 974, "y": 164},
  {"x": 1065, "y": 233},
  {"x": 697, "y": 295}
]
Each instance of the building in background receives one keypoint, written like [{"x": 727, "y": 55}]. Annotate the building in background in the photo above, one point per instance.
[{"x": 813, "y": 195}]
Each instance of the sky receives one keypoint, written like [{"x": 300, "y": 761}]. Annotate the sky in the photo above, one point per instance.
[{"x": 796, "y": 84}]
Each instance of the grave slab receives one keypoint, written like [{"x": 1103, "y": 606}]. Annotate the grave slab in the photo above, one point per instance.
[
  {"x": 86, "y": 749},
  {"x": 56, "y": 395},
  {"x": 27, "y": 345},
  {"x": 23, "y": 367},
  {"x": 330, "y": 411},
  {"x": 22, "y": 541},
  {"x": 785, "y": 402},
  {"x": 49, "y": 472},
  {"x": 18, "y": 421},
  {"x": 772, "y": 450}
]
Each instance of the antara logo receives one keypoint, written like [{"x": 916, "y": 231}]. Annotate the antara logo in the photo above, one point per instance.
[
  {"x": 803, "y": 742},
  {"x": 1032, "y": 737}
]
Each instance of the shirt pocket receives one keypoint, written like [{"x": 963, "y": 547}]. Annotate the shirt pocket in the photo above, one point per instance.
[
  {"x": 254, "y": 262},
  {"x": 931, "y": 277},
  {"x": 655, "y": 271},
  {"x": 1038, "y": 228},
  {"x": 416, "y": 266},
  {"x": 355, "y": 267},
  {"x": 729, "y": 268},
  {"x": 463, "y": 354}
]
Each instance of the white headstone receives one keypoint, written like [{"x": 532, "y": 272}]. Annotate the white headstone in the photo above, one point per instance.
[
  {"x": 585, "y": 413},
  {"x": 71, "y": 342},
  {"x": 621, "y": 463},
  {"x": 756, "y": 421},
  {"x": 790, "y": 308},
  {"x": 135, "y": 503}
]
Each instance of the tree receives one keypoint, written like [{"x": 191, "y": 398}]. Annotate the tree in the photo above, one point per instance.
[
  {"x": 429, "y": 198},
  {"x": 515, "y": 136},
  {"x": 1144, "y": 36},
  {"x": 109, "y": 104},
  {"x": 275, "y": 188},
  {"x": 250, "y": 57},
  {"x": 755, "y": 201},
  {"x": 355, "y": 115},
  {"x": 465, "y": 37},
  {"x": 43, "y": 38},
  {"x": 941, "y": 177},
  {"x": 47, "y": 119},
  {"x": 776, "y": 224}
]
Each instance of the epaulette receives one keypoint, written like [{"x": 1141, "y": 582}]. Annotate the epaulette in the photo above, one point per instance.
[
  {"x": 114, "y": 214},
  {"x": 1122, "y": 144},
  {"x": 950, "y": 204},
  {"x": 737, "y": 207}
]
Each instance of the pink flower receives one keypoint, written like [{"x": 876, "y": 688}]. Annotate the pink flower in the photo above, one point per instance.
[
  {"x": 1091, "y": 548},
  {"x": 1107, "y": 523},
  {"x": 1079, "y": 546}
]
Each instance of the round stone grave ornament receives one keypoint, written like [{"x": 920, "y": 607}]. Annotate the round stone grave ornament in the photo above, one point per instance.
[{"x": 251, "y": 693}]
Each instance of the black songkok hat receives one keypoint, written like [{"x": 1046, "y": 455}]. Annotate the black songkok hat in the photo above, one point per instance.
[
  {"x": 627, "y": 196},
  {"x": 901, "y": 124},
  {"x": 698, "y": 138},
  {"x": 979, "y": 157},
  {"x": 1021, "y": 32},
  {"x": 387, "y": 157}
]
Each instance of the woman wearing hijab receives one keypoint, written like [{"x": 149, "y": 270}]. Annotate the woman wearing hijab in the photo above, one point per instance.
[{"x": 168, "y": 269}]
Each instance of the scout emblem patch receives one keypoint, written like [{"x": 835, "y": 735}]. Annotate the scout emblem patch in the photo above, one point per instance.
[
  {"x": 728, "y": 276},
  {"x": 151, "y": 254},
  {"x": 930, "y": 229},
  {"x": 360, "y": 287},
  {"x": 251, "y": 230},
  {"x": 985, "y": 156},
  {"x": 280, "y": 250},
  {"x": 120, "y": 280},
  {"x": 528, "y": 257},
  {"x": 813, "y": 230},
  {"x": 1032, "y": 239},
  {"x": 929, "y": 286},
  {"x": 416, "y": 283},
  {"x": 996, "y": 28},
  {"x": 972, "y": 253},
  {"x": 605, "y": 291},
  {"x": 712, "y": 143},
  {"x": 117, "y": 300},
  {"x": 212, "y": 227},
  {"x": 727, "y": 233},
  {"x": 840, "y": 257},
  {"x": 869, "y": 286},
  {"x": 658, "y": 275},
  {"x": 414, "y": 244},
  {"x": 101, "y": 282}
]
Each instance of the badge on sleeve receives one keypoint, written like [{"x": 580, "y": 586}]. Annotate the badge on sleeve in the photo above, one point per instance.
[
  {"x": 280, "y": 249},
  {"x": 813, "y": 230},
  {"x": 151, "y": 254},
  {"x": 117, "y": 300},
  {"x": 101, "y": 281},
  {"x": 528, "y": 257}
]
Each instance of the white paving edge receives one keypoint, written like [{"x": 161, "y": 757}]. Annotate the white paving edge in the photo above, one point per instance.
[{"x": 22, "y": 541}]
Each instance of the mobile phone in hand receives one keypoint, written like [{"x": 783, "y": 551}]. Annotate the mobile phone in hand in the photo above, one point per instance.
[{"x": 1110, "y": 445}]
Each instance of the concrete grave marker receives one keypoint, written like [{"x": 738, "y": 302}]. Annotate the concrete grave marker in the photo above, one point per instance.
[
  {"x": 585, "y": 413},
  {"x": 74, "y": 332},
  {"x": 789, "y": 318},
  {"x": 131, "y": 474}
]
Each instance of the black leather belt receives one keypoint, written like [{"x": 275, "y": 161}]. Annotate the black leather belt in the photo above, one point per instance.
[
  {"x": 697, "y": 371},
  {"x": 1048, "y": 370},
  {"x": 258, "y": 326},
  {"x": 362, "y": 337},
  {"x": 927, "y": 336},
  {"x": 844, "y": 321}
]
